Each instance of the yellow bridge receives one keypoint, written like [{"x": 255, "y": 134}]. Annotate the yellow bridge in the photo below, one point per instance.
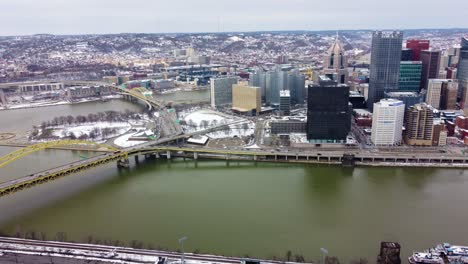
[
  {"x": 135, "y": 93},
  {"x": 153, "y": 149}
]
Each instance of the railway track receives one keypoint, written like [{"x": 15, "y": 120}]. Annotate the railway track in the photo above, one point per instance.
[{"x": 107, "y": 249}]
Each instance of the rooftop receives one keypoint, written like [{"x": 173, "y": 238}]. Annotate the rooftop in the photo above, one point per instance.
[
  {"x": 284, "y": 93},
  {"x": 389, "y": 102},
  {"x": 402, "y": 94}
]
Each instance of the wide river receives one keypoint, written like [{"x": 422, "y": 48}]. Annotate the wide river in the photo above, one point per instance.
[{"x": 236, "y": 208}]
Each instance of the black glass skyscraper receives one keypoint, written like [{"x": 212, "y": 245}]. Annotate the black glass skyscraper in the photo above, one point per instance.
[
  {"x": 385, "y": 65},
  {"x": 462, "y": 73},
  {"x": 328, "y": 112}
]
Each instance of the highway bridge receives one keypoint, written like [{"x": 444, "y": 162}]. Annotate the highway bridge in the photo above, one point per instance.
[
  {"x": 111, "y": 155},
  {"x": 156, "y": 150}
]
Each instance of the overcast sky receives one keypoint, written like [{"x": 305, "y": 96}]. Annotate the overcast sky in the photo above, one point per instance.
[{"x": 21, "y": 17}]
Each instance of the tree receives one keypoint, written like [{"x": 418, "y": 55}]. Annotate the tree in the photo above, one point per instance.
[
  {"x": 72, "y": 136},
  {"x": 204, "y": 124},
  {"x": 288, "y": 255}
]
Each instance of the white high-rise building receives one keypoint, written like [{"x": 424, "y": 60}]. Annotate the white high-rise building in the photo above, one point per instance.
[{"x": 387, "y": 122}]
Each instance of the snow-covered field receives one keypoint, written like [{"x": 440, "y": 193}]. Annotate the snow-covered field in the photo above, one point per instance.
[
  {"x": 207, "y": 118},
  {"x": 210, "y": 117}
]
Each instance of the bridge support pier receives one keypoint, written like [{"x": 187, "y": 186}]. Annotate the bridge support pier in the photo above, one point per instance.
[
  {"x": 195, "y": 155},
  {"x": 168, "y": 154},
  {"x": 137, "y": 159},
  {"x": 255, "y": 157},
  {"x": 123, "y": 163}
]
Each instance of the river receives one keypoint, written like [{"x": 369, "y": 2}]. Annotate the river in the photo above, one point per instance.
[{"x": 240, "y": 208}]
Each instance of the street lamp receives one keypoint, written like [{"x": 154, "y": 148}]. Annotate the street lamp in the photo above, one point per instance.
[
  {"x": 324, "y": 252},
  {"x": 181, "y": 242}
]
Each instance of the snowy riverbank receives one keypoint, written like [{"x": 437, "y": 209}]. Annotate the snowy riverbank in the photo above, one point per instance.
[{"x": 56, "y": 102}]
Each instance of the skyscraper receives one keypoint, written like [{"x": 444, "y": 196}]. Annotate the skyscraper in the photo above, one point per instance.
[
  {"x": 419, "y": 125},
  {"x": 430, "y": 66},
  {"x": 296, "y": 86},
  {"x": 441, "y": 93},
  {"x": 334, "y": 66},
  {"x": 448, "y": 96},
  {"x": 406, "y": 55},
  {"x": 385, "y": 65},
  {"x": 258, "y": 79},
  {"x": 221, "y": 90},
  {"x": 410, "y": 76},
  {"x": 417, "y": 45},
  {"x": 328, "y": 112},
  {"x": 462, "y": 74},
  {"x": 387, "y": 122},
  {"x": 246, "y": 99},
  {"x": 276, "y": 81},
  {"x": 285, "y": 103}
]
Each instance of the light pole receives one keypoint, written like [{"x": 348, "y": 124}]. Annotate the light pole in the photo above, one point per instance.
[
  {"x": 181, "y": 242},
  {"x": 324, "y": 252}
]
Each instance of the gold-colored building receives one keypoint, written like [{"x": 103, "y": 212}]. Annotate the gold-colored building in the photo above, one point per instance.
[{"x": 246, "y": 99}]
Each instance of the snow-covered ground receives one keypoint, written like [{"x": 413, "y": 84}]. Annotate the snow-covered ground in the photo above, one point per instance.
[
  {"x": 212, "y": 117},
  {"x": 237, "y": 130},
  {"x": 87, "y": 128},
  {"x": 56, "y": 102},
  {"x": 123, "y": 141},
  {"x": 207, "y": 118},
  {"x": 298, "y": 138}
]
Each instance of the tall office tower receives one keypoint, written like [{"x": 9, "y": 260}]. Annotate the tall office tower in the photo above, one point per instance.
[
  {"x": 385, "y": 65},
  {"x": 387, "y": 122},
  {"x": 328, "y": 112},
  {"x": 221, "y": 90},
  {"x": 296, "y": 85},
  {"x": 463, "y": 86},
  {"x": 410, "y": 76},
  {"x": 463, "y": 62},
  {"x": 419, "y": 125},
  {"x": 258, "y": 79},
  {"x": 334, "y": 66},
  {"x": 406, "y": 55},
  {"x": 276, "y": 81},
  {"x": 448, "y": 96},
  {"x": 434, "y": 92},
  {"x": 246, "y": 99},
  {"x": 430, "y": 66},
  {"x": 285, "y": 103},
  {"x": 417, "y": 45}
]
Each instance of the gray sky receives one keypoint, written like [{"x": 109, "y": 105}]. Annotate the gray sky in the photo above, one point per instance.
[{"x": 20, "y": 17}]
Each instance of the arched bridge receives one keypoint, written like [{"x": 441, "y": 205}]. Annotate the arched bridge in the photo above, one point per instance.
[
  {"x": 149, "y": 100},
  {"x": 5, "y": 160}
]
